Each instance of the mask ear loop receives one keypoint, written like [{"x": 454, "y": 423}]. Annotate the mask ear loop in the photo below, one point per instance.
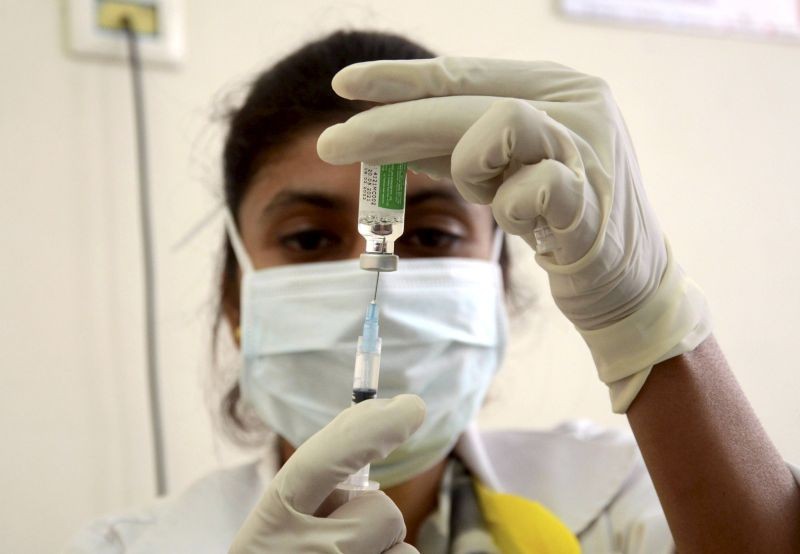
[
  {"x": 236, "y": 242},
  {"x": 497, "y": 245}
]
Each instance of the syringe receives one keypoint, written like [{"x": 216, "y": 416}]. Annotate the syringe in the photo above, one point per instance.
[
  {"x": 381, "y": 211},
  {"x": 365, "y": 385}
]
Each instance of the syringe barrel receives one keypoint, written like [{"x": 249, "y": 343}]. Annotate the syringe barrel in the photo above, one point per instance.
[
  {"x": 365, "y": 387},
  {"x": 355, "y": 485},
  {"x": 367, "y": 369},
  {"x": 359, "y": 479}
]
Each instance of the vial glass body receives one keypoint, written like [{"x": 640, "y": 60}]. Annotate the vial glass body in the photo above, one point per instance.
[{"x": 381, "y": 206}]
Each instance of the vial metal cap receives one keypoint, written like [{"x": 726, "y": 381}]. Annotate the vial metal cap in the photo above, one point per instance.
[{"x": 378, "y": 262}]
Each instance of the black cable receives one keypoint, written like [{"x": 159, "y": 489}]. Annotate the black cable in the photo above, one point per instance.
[{"x": 151, "y": 338}]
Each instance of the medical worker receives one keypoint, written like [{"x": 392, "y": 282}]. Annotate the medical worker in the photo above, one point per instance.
[{"x": 492, "y": 144}]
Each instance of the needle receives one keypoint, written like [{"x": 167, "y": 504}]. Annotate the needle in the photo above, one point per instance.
[{"x": 377, "y": 278}]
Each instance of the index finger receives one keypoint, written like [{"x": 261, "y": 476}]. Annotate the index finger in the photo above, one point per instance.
[
  {"x": 359, "y": 435},
  {"x": 389, "y": 81},
  {"x": 402, "y": 132}
]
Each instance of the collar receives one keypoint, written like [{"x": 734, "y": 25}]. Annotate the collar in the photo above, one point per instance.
[{"x": 574, "y": 470}]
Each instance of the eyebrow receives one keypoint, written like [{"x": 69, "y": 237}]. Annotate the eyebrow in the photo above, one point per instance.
[
  {"x": 286, "y": 198},
  {"x": 450, "y": 194}
]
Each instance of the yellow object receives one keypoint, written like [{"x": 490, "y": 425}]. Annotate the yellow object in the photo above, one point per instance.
[
  {"x": 521, "y": 526},
  {"x": 143, "y": 17}
]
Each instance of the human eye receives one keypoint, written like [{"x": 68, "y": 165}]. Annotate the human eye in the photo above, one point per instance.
[
  {"x": 432, "y": 238},
  {"x": 309, "y": 241}
]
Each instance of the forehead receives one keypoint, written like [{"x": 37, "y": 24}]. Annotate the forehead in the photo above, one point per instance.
[{"x": 297, "y": 169}]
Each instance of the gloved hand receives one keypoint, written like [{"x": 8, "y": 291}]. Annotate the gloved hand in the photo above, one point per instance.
[
  {"x": 539, "y": 140},
  {"x": 284, "y": 519}
]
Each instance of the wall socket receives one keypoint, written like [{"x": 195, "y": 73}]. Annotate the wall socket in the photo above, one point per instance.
[{"x": 95, "y": 28}]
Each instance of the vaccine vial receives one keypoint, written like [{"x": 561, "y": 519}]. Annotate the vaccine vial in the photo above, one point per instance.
[{"x": 381, "y": 211}]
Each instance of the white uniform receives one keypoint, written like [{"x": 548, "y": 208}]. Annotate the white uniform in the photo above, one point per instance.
[{"x": 594, "y": 480}]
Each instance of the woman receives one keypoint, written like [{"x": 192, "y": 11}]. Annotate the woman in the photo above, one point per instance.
[{"x": 523, "y": 143}]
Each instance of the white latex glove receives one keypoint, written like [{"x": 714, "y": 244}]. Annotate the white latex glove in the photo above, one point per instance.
[
  {"x": 286, "y": 519},
  {"x": 539, "y": 140}
]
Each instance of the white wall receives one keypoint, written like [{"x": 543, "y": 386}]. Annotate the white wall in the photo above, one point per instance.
[{"x": 714, "y": 121}]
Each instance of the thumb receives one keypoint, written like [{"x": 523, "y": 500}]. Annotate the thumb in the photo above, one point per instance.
[{"x": 359, "y": 435}]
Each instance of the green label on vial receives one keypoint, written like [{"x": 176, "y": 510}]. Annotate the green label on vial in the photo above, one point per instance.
[{"x": 392, "y": 189}]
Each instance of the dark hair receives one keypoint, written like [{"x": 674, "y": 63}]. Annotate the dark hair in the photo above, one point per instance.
[{"x": 283, "y": 101}]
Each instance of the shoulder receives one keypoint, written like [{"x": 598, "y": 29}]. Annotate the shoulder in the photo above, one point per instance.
[
  {"x": 593, "y": 478},
  {"x": 202, "y": 518}
]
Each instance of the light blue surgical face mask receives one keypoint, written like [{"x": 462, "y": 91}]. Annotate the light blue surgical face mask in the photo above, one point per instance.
[{"x": 444, "y": 331}]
